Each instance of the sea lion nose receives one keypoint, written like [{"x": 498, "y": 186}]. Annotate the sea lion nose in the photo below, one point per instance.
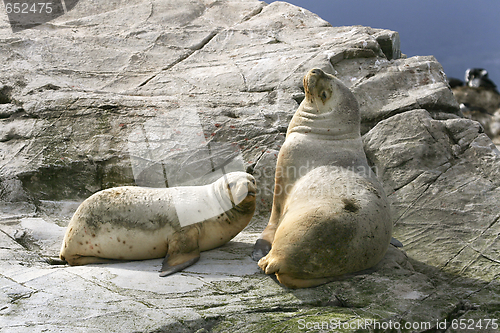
[{"x": 317, "y": 71}]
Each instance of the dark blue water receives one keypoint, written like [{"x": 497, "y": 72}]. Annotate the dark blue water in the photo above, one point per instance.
[{"x": 460, "y": 33}]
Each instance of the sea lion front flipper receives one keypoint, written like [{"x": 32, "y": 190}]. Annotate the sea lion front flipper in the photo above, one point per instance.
[
  {"x": 396, "y": 243},
  {"x": 177, "y": 262},
  {"x": 260, "y": 249},
  {"x": 183, "y": 251}
]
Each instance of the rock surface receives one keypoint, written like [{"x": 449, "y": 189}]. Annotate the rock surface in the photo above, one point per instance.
[{"x": 164, "y": 93}]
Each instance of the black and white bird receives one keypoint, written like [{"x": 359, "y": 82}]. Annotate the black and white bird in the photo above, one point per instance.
[{"x": 478, "y": 77}]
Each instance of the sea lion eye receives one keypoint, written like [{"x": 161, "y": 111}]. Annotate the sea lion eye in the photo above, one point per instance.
[{"x": 323, "y": 95}]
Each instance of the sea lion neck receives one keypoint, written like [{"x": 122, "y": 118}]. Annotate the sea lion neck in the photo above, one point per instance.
[{"x": 333, "y": 125}]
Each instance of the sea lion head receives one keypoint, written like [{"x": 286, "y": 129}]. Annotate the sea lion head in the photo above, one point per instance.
[
  {"x": 237, "y": 190},
  {"x": 329, "y": 107},
  {"x": 327, "y": 92},
  {"x": 318, "y": 86}
]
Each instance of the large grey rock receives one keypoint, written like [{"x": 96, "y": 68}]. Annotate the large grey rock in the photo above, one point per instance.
[
  {"x": 164, "y": 93},
  {"x": 443, "y": 178}
]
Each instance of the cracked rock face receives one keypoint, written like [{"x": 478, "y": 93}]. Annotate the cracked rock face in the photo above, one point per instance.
[
  {"x": 166, "y": 93},
  {"x": 443, "y": 179}
]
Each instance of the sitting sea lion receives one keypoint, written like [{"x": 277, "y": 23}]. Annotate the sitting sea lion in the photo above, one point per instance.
[{"x": 330, "y": 214}]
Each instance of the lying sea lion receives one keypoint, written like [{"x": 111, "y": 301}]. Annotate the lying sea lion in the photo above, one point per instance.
[{"x": 136, "y": 223}]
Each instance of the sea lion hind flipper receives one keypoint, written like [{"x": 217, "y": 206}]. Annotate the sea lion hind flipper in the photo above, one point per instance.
[
  {"x": 178, "y": 261},
  {"x": 260, "y": 249},
  {"x": 294, "y": 283},
  {"x": 78, "y": 260}
]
